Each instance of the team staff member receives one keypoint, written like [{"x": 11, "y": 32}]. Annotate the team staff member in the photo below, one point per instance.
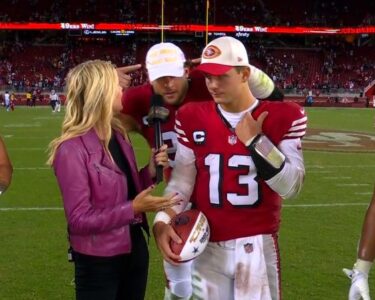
[
  {"x": 242, "y": 157},
  {"x": 104, "y": 195},
  {"x": 6, "y": 169},
  {"x": 359, "y": 288}
]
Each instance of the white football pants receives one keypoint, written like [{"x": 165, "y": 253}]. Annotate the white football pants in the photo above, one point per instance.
[{"x": 239, "y": 269}]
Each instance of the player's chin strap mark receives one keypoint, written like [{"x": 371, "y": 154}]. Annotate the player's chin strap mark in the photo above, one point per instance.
[{"x": 268, "y": 159}]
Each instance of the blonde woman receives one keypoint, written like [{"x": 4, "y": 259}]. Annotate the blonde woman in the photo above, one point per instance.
[
  {"x": 6, "y": 169},
  {"x": 105, "y": 196}
]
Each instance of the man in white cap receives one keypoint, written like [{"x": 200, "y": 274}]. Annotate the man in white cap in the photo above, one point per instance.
[{"x": 241, "y": 157}]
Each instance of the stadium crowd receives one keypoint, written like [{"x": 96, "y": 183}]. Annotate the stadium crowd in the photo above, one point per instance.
[
  {"x": 253, "y": 12},
  {"x": 325, "y": 65}
]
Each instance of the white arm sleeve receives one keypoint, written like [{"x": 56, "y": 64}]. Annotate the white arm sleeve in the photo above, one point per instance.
[
  {"x": 261, "y": 85},
  {"x": 183, "y": 176},
  {"x": 288, "y": 182}
]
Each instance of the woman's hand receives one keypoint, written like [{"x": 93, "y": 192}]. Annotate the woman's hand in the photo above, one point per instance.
[
  {"x": 145, "y": 202},
  {"x": 158, "y": 158}
]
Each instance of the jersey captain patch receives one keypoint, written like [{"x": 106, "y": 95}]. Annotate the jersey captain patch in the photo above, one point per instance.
[{"x": 199, "y": 137}]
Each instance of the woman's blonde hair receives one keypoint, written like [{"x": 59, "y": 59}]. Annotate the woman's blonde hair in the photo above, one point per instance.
[{"x": 92, "y": 87}]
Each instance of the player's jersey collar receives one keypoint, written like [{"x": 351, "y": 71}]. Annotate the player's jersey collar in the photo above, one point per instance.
[{"x": 231, "y": 119}]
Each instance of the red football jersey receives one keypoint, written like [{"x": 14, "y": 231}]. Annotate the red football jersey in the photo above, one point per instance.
[
  {"x": 228, "y": 191},
  {"x": 136, "y": 102}
]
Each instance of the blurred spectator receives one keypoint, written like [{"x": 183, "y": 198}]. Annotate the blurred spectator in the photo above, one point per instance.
[{"x": 7, "y": 100}]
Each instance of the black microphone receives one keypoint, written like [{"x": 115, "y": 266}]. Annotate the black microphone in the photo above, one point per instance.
[{"x": 158, "y": 114}]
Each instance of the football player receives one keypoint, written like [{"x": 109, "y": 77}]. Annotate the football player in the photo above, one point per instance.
[
  {"x": 359, "y": 288},
  {"x": 242, "y": 156}
]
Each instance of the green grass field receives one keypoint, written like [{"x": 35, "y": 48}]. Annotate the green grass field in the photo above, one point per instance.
[{"x": 319, "y": 230}]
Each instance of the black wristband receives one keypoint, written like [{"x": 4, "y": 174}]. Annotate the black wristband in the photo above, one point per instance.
[{"x": 264, "y": 169}]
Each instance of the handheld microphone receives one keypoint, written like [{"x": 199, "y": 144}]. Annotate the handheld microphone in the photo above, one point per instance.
[{"x": 158, "y": 114}]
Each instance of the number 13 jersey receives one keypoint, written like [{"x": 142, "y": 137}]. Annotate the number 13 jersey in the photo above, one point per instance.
[{"x": 228, "y": 190}]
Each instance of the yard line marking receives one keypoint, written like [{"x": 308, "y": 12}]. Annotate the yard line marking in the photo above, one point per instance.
[
  {"x": 325, "y": 205},
  {"x": 352, "y": 184},
  {"x": 29, "y": 208},
  {"x": 32, "y": 168},
  {"x": 8, "y": 136},
  {"x": 319, "y": 172},
  {"x": 47, "y": 118},
  {"x": 21, "y": 125},
  {"x": 285, "y": 205},
  {"x": 363, "y": 193},
  {"x": 38, "y": 107},
  {"x": 26, "y": 149},
  {"x": 340, "y": 166},
  {"x": 338, "y": 177}
]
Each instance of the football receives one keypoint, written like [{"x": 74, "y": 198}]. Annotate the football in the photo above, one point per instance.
[{"x": 193, "y": 229}]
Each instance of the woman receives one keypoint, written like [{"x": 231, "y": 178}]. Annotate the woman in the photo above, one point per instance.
[
  {"x": 6, "y": 169},
  {"x": 104, "y": 195}
]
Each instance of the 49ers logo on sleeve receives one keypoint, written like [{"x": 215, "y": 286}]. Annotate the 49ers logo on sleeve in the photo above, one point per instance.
[{"x": 211, "y": 52}]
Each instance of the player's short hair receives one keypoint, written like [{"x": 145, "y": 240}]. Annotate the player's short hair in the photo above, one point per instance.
[{"x": 239, "y": 69}]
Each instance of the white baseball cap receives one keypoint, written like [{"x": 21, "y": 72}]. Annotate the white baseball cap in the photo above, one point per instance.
[
  {"x": 165, "y": 59},
  {"x": 222, "y": 54}
]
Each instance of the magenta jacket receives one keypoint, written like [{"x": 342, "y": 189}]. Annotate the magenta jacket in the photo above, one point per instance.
[{"x": 95, "y": 194}]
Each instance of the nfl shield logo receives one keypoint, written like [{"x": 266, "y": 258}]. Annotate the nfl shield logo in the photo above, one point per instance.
[
  {"x": 248, "y": 247},
  {"x": 232, "y": 139}
]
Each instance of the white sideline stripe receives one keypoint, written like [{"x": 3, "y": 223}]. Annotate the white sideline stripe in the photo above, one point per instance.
[
  {"x": 340, "y": 166},
  {"x": 325, "y": 205},
  {"x": 284, "y": 205},
  {"x": 338, "y": 177},
  {"x": 352, "y": 184}
]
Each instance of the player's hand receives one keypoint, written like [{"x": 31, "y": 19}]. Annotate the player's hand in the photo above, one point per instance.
[
  {"x": 124, "y": 78},
  {"x": 163, "y": 234},
  {"x": 196, "y": 61},
  {"x": 158, "y": 158},
  {"x": 145, "y": 202},
  {"x": 248, "y": 128},
  {"x": 359, "y": 288}
]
